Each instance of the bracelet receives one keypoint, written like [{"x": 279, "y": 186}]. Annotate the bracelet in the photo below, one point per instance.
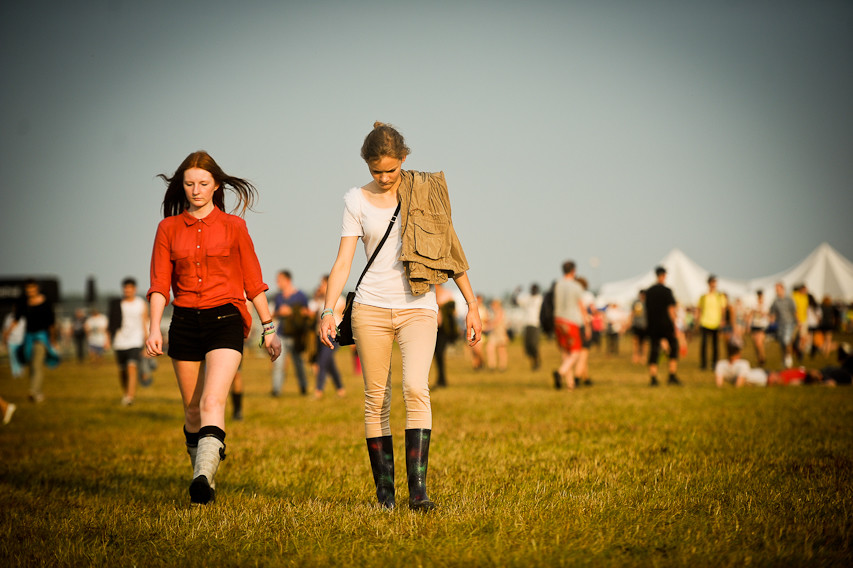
[
  {"x": 264, "y": 334},
  {"x": 269, "y": 321},
  {"x": 269, "y": 327},
  {"x": 327, "y": 313}
]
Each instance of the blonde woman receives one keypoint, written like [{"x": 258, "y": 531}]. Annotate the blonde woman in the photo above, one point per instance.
[{"x": 396, "y": 300}]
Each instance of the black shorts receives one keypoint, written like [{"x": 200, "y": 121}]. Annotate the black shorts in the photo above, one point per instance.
[
  {"x": 654, "y": 346},
  {"x": 193, "y": 333},
  {"x": 124, "y": 357},
  {"x": 639, "y": 332}
]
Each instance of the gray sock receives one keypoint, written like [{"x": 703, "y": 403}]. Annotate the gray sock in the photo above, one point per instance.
[{"x": 209, "y": 454}]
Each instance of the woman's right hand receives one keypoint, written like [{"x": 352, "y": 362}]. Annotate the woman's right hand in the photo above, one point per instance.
[
  {"x": 154, "y": 343},
  {"x": 328, "y": 331}
]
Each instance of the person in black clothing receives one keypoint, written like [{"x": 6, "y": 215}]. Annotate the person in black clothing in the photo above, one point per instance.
[
  {"x": 660, "y": 311},
  {"x": 447, "y": 333},
  {"x": 38, "y": 347},
  {"x": 78, "y": 333}
]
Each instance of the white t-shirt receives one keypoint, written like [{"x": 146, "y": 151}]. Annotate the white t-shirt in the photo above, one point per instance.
[
  {"x": 385, "y": 285},
  {"x": 131, "y": 334},
  {"x": 16, "y": 336},
  {"x": 531, "y": 306},
  {"x": 96, "y": 329},
  {"x": 740, "y": 368}
]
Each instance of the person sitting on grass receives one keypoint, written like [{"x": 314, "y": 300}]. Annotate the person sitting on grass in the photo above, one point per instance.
[{"x": 737, "y": 371}]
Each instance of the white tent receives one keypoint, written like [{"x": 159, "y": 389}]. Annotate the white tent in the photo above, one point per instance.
[
  {"x": 687, "y": 280},
  {"x": 825, "y": 272}
]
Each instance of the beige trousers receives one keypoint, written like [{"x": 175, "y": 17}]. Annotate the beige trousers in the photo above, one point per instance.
[
  {"x": 37, "y": 368},
  {"x": 375, "y": 330}
]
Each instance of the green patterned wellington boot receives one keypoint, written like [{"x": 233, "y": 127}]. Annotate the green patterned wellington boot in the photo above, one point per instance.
[
  {"x": 417, "y": 461},
  {"x": 381, "y": 453}
]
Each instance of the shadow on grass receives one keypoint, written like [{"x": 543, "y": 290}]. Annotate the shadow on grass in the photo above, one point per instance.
[{"x": 26, "y": 488}]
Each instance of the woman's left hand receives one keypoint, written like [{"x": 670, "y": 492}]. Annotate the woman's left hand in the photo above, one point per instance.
[
  {"x": 273, "y": 345},
  {"x": 473, "y": 326}
]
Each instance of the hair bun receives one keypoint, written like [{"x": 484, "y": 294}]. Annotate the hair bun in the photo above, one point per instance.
[{"x": 377, "y": 124}]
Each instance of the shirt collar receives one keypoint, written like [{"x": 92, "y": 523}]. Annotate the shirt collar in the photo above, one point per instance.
[{"x": 210, "y": 218}]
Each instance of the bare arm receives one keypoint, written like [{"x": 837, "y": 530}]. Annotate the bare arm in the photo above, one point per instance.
[
  {"x": 154, "y": 343},
  {"x": 337, "y": 280}
]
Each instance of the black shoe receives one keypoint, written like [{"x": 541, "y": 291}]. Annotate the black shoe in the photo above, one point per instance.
[
  {"x": 653, "y": 382},
  {"x": 587, "y": 382},
  {"x": 577, "y": 382},
  {"x": 673, "y": 380},
  {"x": 238, "y": 415},
  {"x": 201, "y": 492},
  {"x": 558, "y": 383}
]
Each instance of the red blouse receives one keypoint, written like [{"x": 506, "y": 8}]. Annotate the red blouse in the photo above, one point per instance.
[{"x": 206, "y": 262}]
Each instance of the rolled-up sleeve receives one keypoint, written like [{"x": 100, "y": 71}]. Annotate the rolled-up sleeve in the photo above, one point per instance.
[
  {"x": 253, "y": 282},
  {"x": 161, "y": 264}
]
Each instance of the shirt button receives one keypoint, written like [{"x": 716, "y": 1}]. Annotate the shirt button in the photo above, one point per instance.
[
  {"x": 198, "y": 246},
  {"x": 199, "y": 279}
]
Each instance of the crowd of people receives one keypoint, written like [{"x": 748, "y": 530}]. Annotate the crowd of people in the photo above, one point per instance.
[{"x": 204, "y": 259}]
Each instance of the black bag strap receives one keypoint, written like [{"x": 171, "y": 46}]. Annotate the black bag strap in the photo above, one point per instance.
[{"x": 382, "y": 242}]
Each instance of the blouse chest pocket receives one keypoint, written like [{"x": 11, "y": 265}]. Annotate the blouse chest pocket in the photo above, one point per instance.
[
  {"x": 218, "y": 261},
  {"x": 180, "y": 258},
  {"x": 430, "y": 235}
]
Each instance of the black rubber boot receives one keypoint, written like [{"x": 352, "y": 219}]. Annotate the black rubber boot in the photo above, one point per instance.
[
  {"x": 417, "y": 463},
  {"x": 381, "y": 452}
]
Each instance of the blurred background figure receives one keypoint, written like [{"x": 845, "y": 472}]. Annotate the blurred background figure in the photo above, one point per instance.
[
  {"x": 324, "y": 356},
  {"x": 478, "y": 359},
  {"x": 78, "y": 334},
  {"x": 828, "y": 324},
  {"x": 128, "y": 323},
  {"x": 97, "y": 338},
  {"x": 38, "y": 349},
  {"x": 13, "y": 337},
  {"x": 531, "y": 306},
  {"x": 497, "y": 356},
  {"x": 712, "y": 309},
  {"x": 758, "y": 321},
  {"x": 447, "y": 332},
  {"x": 639, "y": 324},
  {"x": 291, "y": 309},
  {"x": 783, "y": 313}
]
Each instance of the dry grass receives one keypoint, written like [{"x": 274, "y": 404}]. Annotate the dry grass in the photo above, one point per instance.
[{"x": 617, "y": 474}]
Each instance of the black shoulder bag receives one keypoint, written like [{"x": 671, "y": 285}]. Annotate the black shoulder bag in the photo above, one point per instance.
[{"x": 344, "y": 336}]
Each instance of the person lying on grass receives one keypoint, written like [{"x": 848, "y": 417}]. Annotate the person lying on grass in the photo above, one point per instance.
[{"x": 737, "y": 371}]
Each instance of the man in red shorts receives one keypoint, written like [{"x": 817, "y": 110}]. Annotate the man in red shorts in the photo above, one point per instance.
[{"x": 569, "y": 317}]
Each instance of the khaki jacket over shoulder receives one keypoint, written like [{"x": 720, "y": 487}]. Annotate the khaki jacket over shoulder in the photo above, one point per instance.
[{"x": 431, "y": 250}]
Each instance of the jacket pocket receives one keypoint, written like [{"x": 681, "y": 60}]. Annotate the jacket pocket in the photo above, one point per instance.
[{"x": 430, "y": 236}]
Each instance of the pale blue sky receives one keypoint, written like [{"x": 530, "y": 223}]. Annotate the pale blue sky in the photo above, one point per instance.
[{"x": 567, "y": 130}]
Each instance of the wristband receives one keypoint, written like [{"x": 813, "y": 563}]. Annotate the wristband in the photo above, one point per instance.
[
  {"x": 269, "y": 321},
  {"x": 269, "y": 327},
  {"x": 264, "y": 334},
  {"x": 327, "y": 312}
]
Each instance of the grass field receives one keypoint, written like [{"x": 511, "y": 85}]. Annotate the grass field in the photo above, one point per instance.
[{"x": 612, "y": 475}]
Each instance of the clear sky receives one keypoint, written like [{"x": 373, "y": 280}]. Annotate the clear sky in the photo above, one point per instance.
[{"x": 614, "y": 130}]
